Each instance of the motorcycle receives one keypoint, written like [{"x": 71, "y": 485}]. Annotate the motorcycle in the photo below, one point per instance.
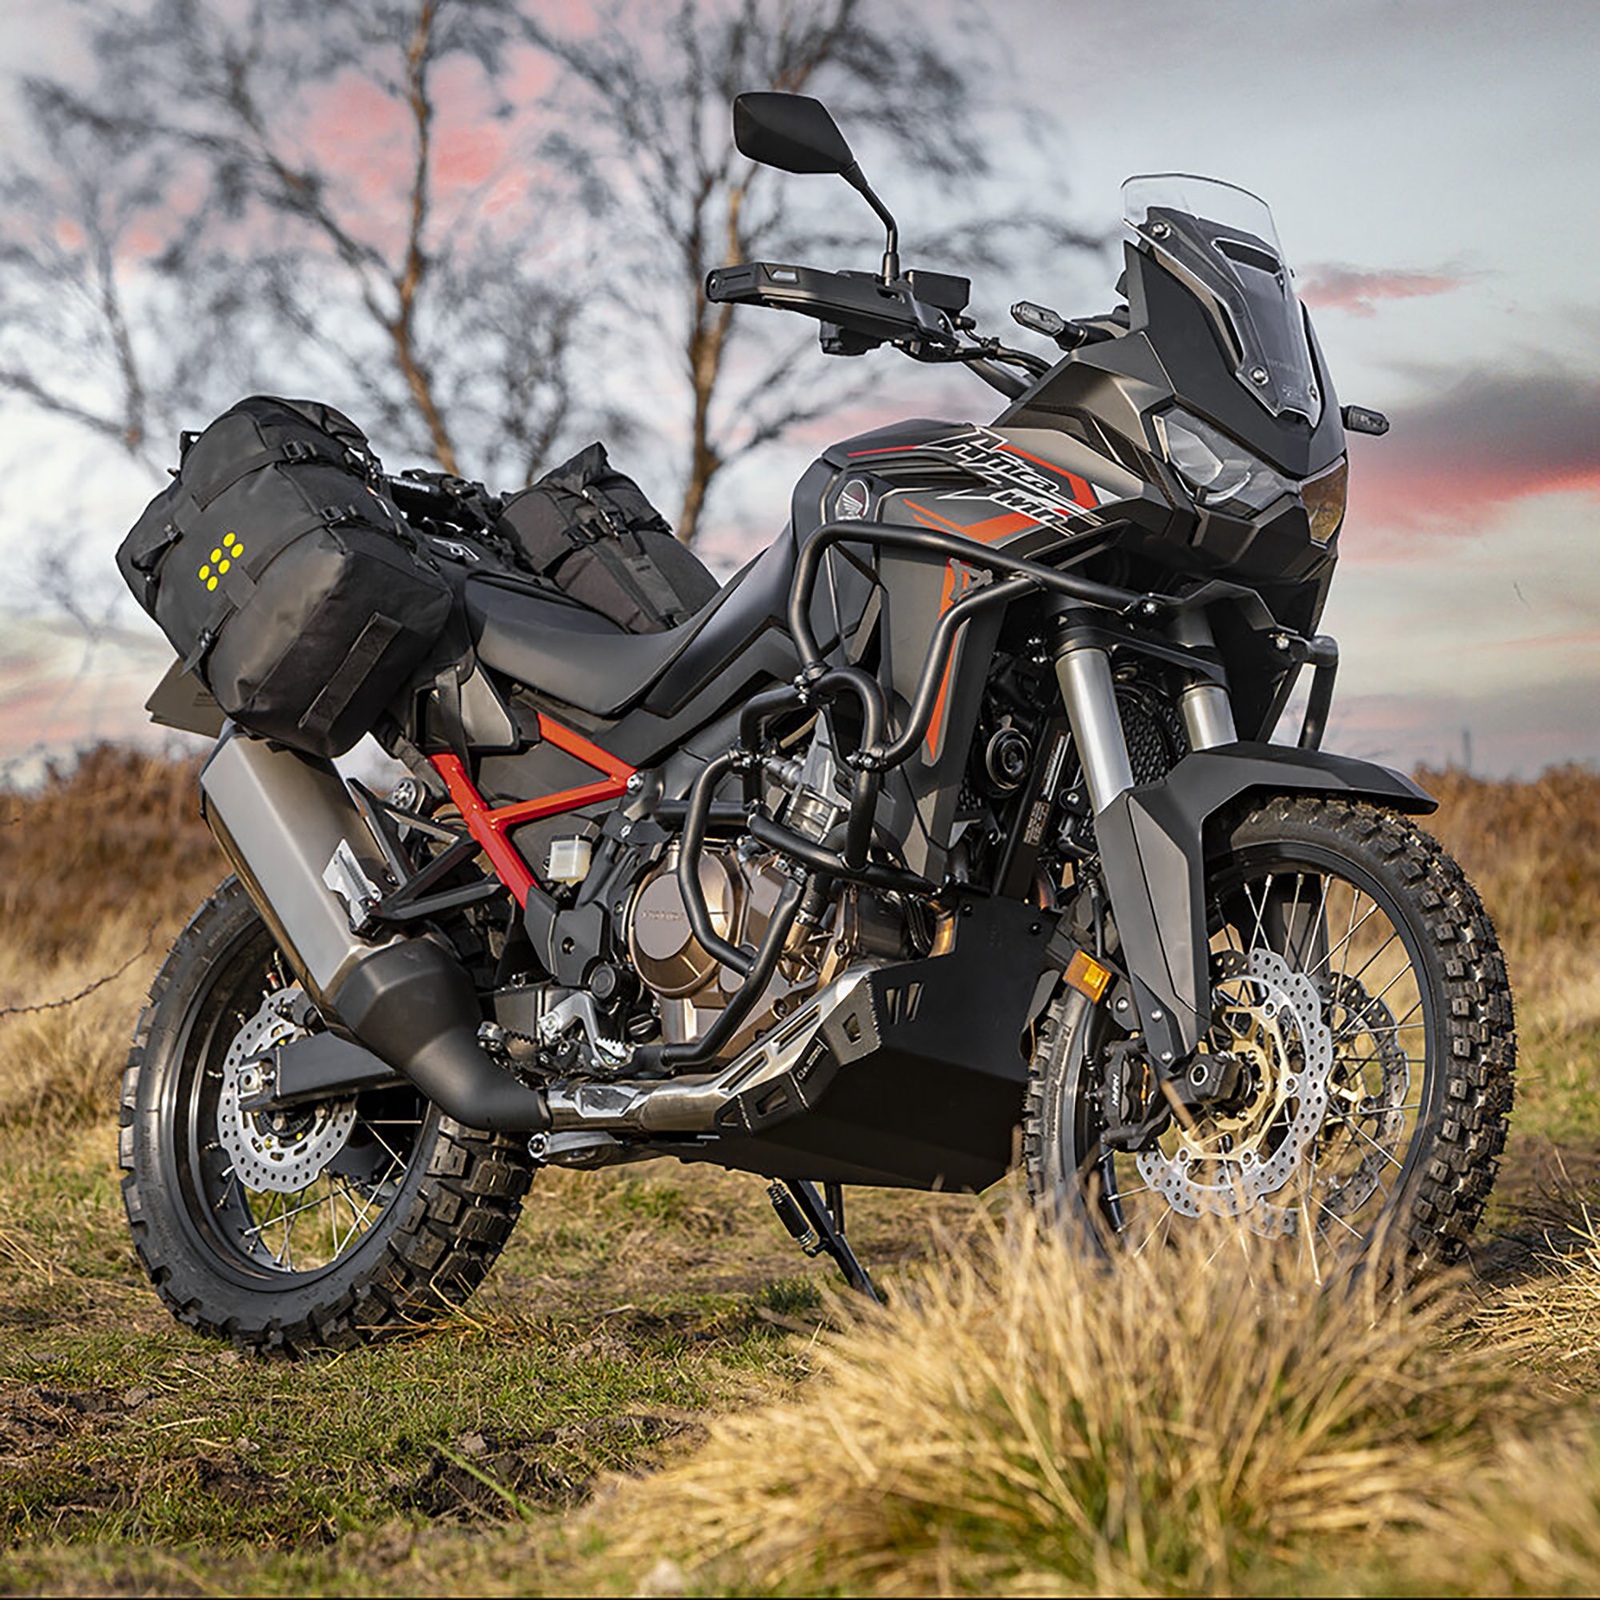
[{"x": 946, "y": 839}]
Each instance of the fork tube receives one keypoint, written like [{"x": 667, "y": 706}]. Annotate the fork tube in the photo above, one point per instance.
[
  {"x": 1207, "y": 710},
  {"x": 1084, "y": 673}
]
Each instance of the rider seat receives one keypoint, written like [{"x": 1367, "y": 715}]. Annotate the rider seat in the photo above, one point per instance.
[{"x": 576, "y": 656}]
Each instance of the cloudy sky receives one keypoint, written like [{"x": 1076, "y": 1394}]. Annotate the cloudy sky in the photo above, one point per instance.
[{"x": 1434, "y": 168}]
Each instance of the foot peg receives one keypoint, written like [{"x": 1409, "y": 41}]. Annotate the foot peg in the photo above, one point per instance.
[{"x": 818, "y": 1228}]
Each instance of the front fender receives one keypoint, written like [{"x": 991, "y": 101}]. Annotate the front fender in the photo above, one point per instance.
[{"x": 1151, "y": 841}]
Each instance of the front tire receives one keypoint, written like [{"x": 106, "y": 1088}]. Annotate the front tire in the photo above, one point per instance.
[
  {"x": 1359, "y": 979},
  {"x": 321, "y": 1228}
]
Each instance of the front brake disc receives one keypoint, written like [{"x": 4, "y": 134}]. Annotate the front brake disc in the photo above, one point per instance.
[{"x": 1229, "y": 1165}]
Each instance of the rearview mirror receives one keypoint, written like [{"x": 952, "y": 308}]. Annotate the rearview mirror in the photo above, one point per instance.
[{"x": 792, "y": 132}]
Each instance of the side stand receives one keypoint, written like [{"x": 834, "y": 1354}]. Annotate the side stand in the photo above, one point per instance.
[{"x": 818, "y": 1228}]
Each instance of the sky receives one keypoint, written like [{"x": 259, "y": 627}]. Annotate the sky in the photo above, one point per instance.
[{"x": 1434, "y": 170}]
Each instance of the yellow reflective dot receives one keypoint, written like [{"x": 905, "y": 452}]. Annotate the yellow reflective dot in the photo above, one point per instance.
[
  {"x": 216, "y": 555},
  {"x": 238, "y": 550},
  {"x": 232, "y": 539},
  {"x": 222, "y": 566},
  {"x": 211, "y": 583},
  {"x": 205, "y": 572}
]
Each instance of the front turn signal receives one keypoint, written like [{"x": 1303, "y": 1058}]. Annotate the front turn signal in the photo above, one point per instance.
[{"x": 1087, "y": 975}]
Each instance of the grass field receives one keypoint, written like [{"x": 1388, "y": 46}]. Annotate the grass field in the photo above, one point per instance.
[{"x": 656, "y": 1391}]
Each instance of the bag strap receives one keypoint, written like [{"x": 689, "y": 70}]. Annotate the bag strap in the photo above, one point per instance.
[
  {"x": 291, "y": 450},
  {"x": 148, "y": 558},
  {"x": 451, "y": 724},
  {"x": 349, "y": 675},
  {"x": 623, "y": 551}
]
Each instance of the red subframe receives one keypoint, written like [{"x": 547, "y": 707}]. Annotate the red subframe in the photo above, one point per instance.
[{"x": 491, "y": 826}]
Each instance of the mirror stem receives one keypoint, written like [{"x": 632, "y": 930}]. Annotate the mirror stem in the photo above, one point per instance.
[{"x": 891, "y": 248}]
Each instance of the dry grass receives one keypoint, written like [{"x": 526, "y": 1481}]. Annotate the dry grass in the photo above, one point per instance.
[
  {"x": 1533, "y": 850},
  {"x": 1026, "y": 1421},
  {"x": 1020, "y": 1420},
  {"x": 98, "y": 870},
  {"x": 117, "y": 837},
  {"x": 62, "y": 1063},
  {"x": 1553, "y": 1319}
]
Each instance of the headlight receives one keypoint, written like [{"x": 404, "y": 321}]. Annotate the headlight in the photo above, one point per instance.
[
  {"x": 1222, "y": 475},
  {"x": 1324, "y": 500}
]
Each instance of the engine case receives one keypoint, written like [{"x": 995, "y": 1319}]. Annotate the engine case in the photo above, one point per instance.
[{"x": 689, "y": 985}]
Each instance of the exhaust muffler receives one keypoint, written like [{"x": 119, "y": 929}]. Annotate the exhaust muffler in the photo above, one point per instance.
[{"x": 289, "y": 827}]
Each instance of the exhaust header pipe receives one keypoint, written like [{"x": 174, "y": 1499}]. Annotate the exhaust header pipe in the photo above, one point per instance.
[{"x": 287, "y": 824}]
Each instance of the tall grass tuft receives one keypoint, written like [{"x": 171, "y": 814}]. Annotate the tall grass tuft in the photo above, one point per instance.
[
  {"x": 1552, "y": 1319},
  {"x": 62, "y": 1049},
  {"x": 1029, "y": 1420}
]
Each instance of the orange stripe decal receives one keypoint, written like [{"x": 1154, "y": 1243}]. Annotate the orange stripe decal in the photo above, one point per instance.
[
  {"x": 933, "y": 516},
  {"x": 985, "y": 532},
  {"x": 1081, "y": 492},
  {"x": 999, "y": 527},
  {"x": 951, "y": 592}
]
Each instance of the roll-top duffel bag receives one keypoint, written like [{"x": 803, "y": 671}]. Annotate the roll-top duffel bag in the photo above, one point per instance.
[
  {"x": 283, "y": 577},
  {"x": 589, "y": 530}
]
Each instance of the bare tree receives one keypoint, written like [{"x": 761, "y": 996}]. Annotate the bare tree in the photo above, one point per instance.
[
  {"x": 650, "y": 109},
  {"x": 196, "y": 221},
  {"x": 252, "y": 195}
]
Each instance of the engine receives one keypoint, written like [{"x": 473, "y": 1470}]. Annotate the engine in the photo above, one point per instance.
[
  {"x": 689, "y": 985},
  {"x": 742, "y": 885}
]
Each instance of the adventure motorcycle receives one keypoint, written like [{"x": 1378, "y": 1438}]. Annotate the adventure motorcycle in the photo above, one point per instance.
[{"x": 945, "y": 838}]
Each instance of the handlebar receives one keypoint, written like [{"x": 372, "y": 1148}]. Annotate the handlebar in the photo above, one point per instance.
[
  {"x": 920, "y": 312},
  {"x": 860, "y": 303}
]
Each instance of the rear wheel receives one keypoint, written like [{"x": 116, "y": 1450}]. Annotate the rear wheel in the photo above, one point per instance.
[
  {"x": 324, "y": 1225},
  {"x": 1358, "y": 983}
]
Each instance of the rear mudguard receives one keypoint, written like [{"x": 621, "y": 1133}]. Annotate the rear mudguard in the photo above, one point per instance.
[{"x": 1152, "y": 854}]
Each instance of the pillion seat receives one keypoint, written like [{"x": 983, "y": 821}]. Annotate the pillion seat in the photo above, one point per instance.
[{"x": 585, "y": 660}]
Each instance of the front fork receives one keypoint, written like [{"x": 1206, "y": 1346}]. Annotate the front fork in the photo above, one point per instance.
[{"x": 1148, "y": 878}]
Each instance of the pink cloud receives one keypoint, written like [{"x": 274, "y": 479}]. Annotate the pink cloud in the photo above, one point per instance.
[
  {"x": 1489, "y": 439},
  {"x": 1330, "y": 287}
]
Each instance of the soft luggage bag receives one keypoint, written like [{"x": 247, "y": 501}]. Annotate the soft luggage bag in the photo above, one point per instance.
[
  {"x": 588, "y": 529},
  {"x": 284, "y": 578}
]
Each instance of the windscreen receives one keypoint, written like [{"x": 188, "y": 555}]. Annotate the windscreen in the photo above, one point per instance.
[{"x": 1220, "y": 243}]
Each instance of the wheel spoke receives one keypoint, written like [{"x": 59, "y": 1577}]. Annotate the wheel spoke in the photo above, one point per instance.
[
  {"x": 286, "y": 1215},
  {"x": 388, "y": 1149},
  {"x": 1260, "y": 911},
  {"x": 1388, "y": 1155},
  {"x": 1343, "y": 943},
  {"x": 362, "y": 1212},
  {"x": 1332, "y": 1215},
  {"x": 1161, "y": 1222},
  {"x": 342, "y": 1189}
]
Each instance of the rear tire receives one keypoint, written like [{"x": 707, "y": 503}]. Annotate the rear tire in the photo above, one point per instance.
[
  {"x": 1369, "y": 990},
  {"x": 401, "y": 1213}
]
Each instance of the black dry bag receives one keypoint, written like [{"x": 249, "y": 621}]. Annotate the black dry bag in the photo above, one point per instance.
[{"x": 284, "y": 577}]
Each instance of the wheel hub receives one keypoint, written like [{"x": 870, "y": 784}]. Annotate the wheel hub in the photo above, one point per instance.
[
  {"x": 1228, "y": 1161},
  {"x": 278, "y": 1150}
]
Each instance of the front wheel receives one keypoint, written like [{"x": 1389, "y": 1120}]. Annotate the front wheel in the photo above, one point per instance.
[
  {"x": 1358, "y": 984},
  {"x": 324, "y": 1225}
]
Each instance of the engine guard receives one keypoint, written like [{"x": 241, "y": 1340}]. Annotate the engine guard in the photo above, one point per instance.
[{"x": 1152, "y": 853}]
